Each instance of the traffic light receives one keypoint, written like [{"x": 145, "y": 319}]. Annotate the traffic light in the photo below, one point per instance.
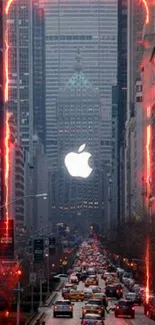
[
  {"x": 52, "y": 245},
  {"x": 38, "y": 250}
]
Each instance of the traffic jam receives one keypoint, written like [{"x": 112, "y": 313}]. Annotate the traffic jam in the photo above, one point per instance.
[{"x": 96, "y": 292}]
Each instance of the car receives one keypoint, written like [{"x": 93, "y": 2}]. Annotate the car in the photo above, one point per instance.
[
  {"x": 66, "y": 290},
  {"x": 124, "y": 308},
  {"x": 94, "y": 319},
  {"x": 63, "y": 308},
  {"x": 90, "y": 281},
  {"x": 95, "y": 279},
  {"x": 88, "y": 293},
  {"x": 102, "y": 296},
  {"x": 101, "y": 270},
  {"x": 113, "y": 291},
  {"x": 62, "y": 277},
  {"x": 91, "y": 308},
  {"x": 76, "y": 295},
  {"x": 134, "y": 297},
  {"x": 74, "y": 279},
  {"x": 97, "y": 302},
  {"x": 95, "y": 289},
  {"x": 105, "y": 275},
  {"x": 109, "y": 280}
]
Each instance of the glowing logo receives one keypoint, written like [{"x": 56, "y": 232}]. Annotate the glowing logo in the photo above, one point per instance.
[{"x": 77, "y": 164}]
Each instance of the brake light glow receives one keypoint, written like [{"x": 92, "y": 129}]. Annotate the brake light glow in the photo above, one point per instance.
[
  {"x": 7, "y": 313},
  {"x": 55, "y": 307},
  {"x": 133, "y": 308}
]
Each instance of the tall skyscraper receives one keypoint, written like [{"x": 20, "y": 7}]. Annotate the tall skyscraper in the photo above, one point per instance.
[
  {"x": 122, "y": 105},
  {"x": 78, "y": 122},
  {"x": 92, "y": 28},
  {"x": 136, "y": 19},
  {"x": 20, "y": 67},
  {"x": 38, "y": 71}
]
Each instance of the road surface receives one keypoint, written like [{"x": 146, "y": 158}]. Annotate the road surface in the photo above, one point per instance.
[{"x": 140, "y": 318}]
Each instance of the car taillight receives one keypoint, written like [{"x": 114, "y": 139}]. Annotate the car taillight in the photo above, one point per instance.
[
  {"x": 133, "y": 308},
  {"x": 117, "y": 307},
  {"x": 70, "y": 307},
  {"x": 84, "y": 310},
  {"x": 55, "y": 307},
  {"x": 6, "y": 313}
]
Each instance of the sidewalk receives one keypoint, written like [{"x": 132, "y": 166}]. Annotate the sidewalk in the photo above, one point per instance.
[{"x": 41, "y": 310}]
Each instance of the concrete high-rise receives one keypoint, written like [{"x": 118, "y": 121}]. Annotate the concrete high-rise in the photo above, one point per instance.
[
  {"x": 120, "y": 116},
  {"x": 20, "y": 67},
  {"x": 78, "y": 122},
  {"x": 136, "y": 19},
  {"x": 38, "y": 71},
  {"x": 91, "y": 27}
]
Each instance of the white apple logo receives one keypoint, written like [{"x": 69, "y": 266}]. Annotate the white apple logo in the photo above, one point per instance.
[{"x": 77, "y": 163}]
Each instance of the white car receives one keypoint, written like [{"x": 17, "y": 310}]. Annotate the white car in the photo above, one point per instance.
[
  {"x": 95, "y": 289},
  {"x": 63, "y": 308},
  {"x": 74, "y": 279},
  {"x": 88, "y": 293},
  {"x": 62, "y": 277}
]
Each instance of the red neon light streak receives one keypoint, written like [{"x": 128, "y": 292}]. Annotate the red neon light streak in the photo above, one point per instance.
[
  {"x": 7, "y": 117},
  {"x": 7, "y": 166},
  {"x": 147, "y": 263},
  {"x": 147, "y": 18},
  {"x": 148, "y": 155},
  {"x": 9, "y": 3}
]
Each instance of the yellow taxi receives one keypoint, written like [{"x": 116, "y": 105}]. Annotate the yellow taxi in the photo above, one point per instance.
[
  {"x": 76, "y": 295},
  {"x": 91, "y": 281},
  {"x": 93, "y": 308}
]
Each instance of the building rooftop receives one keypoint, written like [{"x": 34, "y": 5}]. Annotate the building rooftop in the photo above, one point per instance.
[{"x": 78, "y": 81}]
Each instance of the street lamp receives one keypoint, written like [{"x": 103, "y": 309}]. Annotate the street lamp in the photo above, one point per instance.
[
  {"x": 18, "y": 299},
  {"x": 43, "y": 195}
]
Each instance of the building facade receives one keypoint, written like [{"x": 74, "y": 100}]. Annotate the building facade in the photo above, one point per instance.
[
  {"x": 148, "y": 84},
  {"x": 39, "y": 112},
  {"x": 37, "y": 183},
  {"x": 18, "y": 22},
  {"x": 122, "y": 105},
  {"x": 136, "y": 20},
  {"x": 91, "y": 27},
  {"x": 114, "y": 195},
  {"x": 16, "y": 181},
  {"x": 78, "y": 123}
]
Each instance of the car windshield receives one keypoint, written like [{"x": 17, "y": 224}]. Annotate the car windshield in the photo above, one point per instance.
[
  {"x": 92, "y": 276},
  {"x": 124, "y": 303},
  {"x": 91, "y": 306},
  {"x": 66, "y": 302},
  {"x": 99, "y": 295},
  {"x": 95, "y": 302},
  {"x": 131, "y": 295}
]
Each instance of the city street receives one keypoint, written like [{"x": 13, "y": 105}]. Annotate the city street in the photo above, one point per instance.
[{"x": 140, "y": 318}]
